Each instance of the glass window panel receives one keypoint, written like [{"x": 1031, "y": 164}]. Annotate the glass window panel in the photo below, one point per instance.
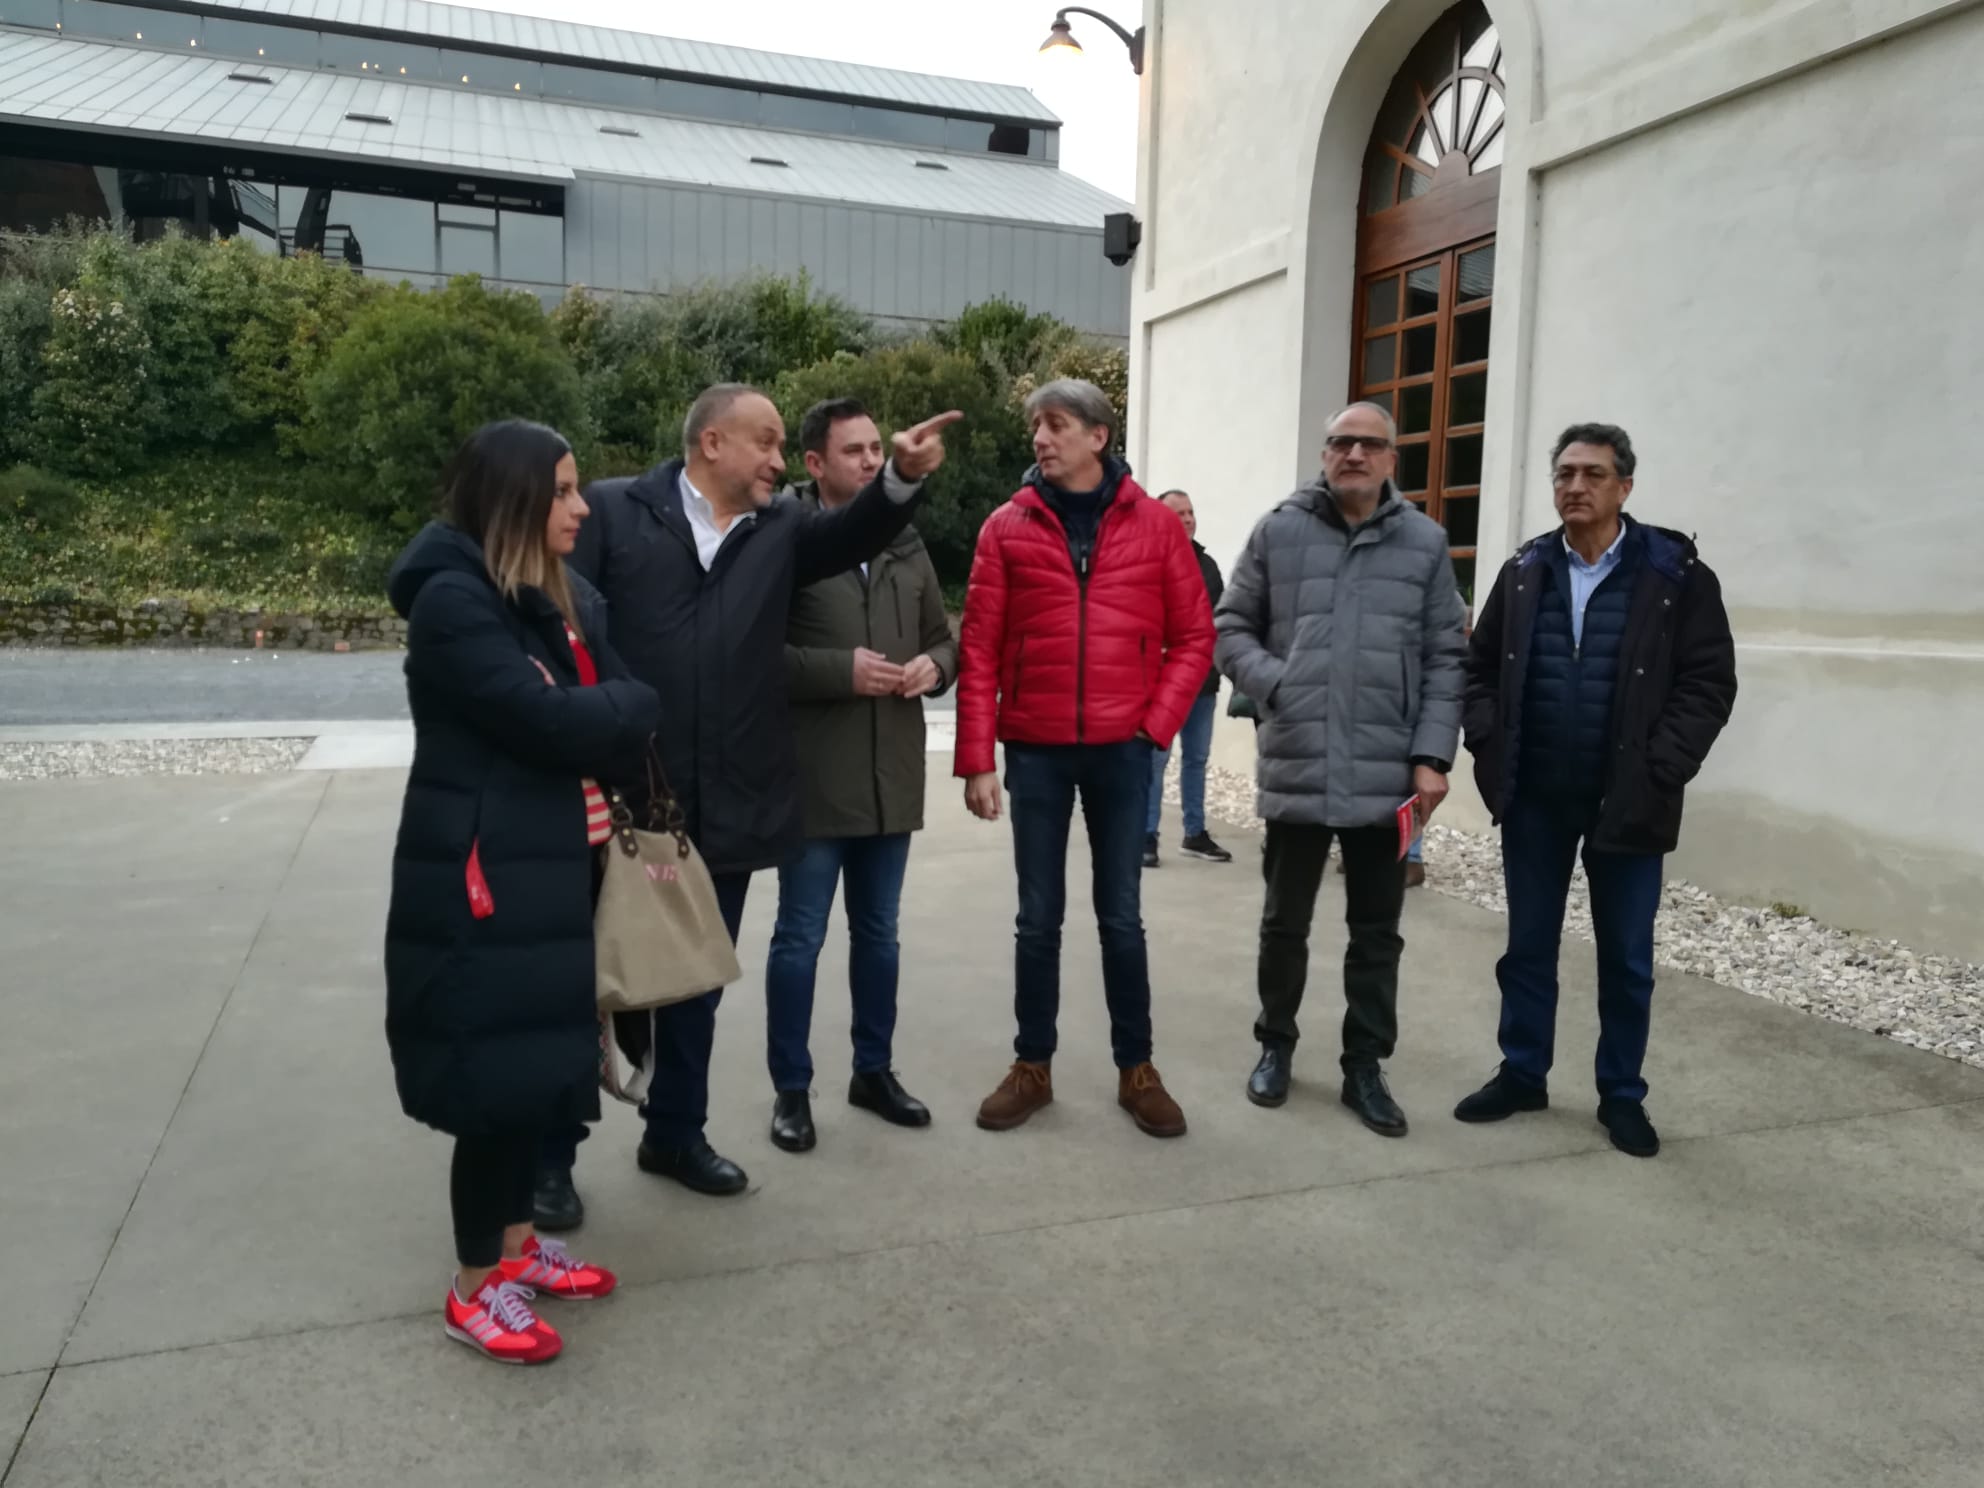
[
  {"x": 974, "y": 135},
  {"x": 1413, "y": 183},
  {"x": 128, "y": 23},
  {"x": 707, "y": 101},
  {"x": 1463, "y": 462},
  {"x": 1383, "y": 400},
  {"x": 532, "y": 247},
  {"x": 1471, "y": 337},
  {"x": 1442, "y": 110},
  {"x": 899, "y": 125},
  {"x": 1470, "y": 99},
  {"x": 1381, "y": 303},
  {"x": 1422, "y": 290},
  {"x": 1481, "y": 49},
  {"x": 1421, "y": 345},
  {"x": 1380, "y": 359},
  {"x": 496, "y": 74},
  {"x": 1464, "y": 579},
  {"x": 1491, "y": 115},
  {"x": 1426, "y": 146},
  {"x": 392, "y": 233},
  {"x": 1397, "y": 117},
  {"x": 1463, "y": 520},
  {"x": 1413, "y": 460},
  {"x": 394, "y": 59},
  {"x": 471, "y": 216},
  {"x": 251, "y": 39},
  {"x": 1007, "y": 139},
  {"x": 1491, "y": 153},
  {"x": 468, "y": 250},
  {"x": 595, "y": 86},
  {"x": 1417, "y": 415},
  {"x": 1467, "y": 400},
  {"x": 43, "y": 13},
  {"x": 1380, "y": 182},
  {"x": 1477, "y": 274},
  {"x": 817, "y": 115}
]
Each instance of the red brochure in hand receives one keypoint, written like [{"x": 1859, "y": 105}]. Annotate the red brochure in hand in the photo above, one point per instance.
[{"x": 1408, "y": 823}]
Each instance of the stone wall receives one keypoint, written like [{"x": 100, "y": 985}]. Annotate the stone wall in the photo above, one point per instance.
[{"x": 171, "y": 622}]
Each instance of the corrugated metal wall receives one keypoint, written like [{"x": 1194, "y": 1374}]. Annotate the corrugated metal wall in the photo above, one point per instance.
[{"x": 628, "y": 236}]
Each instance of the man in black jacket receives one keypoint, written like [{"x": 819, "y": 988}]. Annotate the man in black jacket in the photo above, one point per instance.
[
  {"x": 699, "y": 564},
  {"x": 1195, "y": 738},
  {"x": 1600, "y": 673}
]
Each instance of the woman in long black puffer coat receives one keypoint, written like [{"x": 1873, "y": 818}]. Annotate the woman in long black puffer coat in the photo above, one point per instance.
[{"x": 519, "y": 708}]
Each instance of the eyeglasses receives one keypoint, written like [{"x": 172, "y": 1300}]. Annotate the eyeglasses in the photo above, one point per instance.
[
  {"x": 1343, "y": 444},
  {"x": 1596, "y": 475}
]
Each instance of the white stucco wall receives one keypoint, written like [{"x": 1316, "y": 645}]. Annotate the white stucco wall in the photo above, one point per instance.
[{"x": 1746, "y": 229}]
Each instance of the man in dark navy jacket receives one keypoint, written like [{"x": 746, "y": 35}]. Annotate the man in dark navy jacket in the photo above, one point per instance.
[
  {"x": 1599, "y": 675},
  {"x": 699, "y": 560}
]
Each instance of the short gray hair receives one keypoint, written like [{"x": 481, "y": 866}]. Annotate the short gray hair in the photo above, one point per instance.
[
  {"x": 1391, "y": 424},
  {"x": 711, "y": 404},
  {"x": 1084, "y": 400}
]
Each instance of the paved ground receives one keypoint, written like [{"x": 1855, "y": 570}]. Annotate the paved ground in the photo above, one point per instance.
[
  {"x": 39, "y": 688},
  {"x": 229, "y": 1248}
]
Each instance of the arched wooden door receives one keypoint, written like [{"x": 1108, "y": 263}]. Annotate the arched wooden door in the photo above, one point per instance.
[{"x": 1426, "y": 267}]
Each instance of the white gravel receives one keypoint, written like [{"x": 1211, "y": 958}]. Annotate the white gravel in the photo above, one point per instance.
[
  {"x": 76, "y": 759},
  {"x": 1879, "y": 986}
]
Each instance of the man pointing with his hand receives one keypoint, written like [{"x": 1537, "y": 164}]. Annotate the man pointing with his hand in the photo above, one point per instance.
[
  {"x": 863, "y": 648},
  {"x": 1087, "y": 636}
]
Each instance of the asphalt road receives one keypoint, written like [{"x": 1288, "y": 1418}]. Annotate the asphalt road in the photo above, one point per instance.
[{"x": 181, "y": 686}]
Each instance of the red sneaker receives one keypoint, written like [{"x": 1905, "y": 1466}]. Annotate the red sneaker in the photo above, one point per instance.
[
  {"x": 499, "y": 1323},
  {"x": 546, "y": 1266}
]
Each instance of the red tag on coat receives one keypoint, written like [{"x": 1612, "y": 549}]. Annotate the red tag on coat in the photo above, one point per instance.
[{"x": 480, "y": 902}]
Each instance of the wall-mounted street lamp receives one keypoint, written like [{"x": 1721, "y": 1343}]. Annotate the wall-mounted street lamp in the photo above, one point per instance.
[{"x": 1061, "y": 36}]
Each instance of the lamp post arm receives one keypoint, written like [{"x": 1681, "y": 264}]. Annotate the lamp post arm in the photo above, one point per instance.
[{"x": 1133, "y": 40}]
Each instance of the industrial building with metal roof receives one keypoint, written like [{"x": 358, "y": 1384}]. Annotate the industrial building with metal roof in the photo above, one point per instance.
[{"x": 418, "y": 140}]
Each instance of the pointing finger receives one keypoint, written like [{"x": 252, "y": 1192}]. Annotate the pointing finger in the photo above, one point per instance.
[{"x": 935, "y": 425}]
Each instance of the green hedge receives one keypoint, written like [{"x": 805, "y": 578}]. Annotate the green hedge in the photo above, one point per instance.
[{"x": 206, "y": 420}]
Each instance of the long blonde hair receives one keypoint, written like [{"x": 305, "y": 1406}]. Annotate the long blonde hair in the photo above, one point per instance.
[{"x": 499, "y": 489}]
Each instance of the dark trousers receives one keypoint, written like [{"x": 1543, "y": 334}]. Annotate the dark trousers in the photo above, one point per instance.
[
  {"x": 1293, "y": 862},
  {"x": 684, "y": 1033},
  {"x": 1540, "y": 842},
  {"x": 489, "y": 1189},
  {"x": 873, "y": 869},
  {"x": 1113, "y": 781}
]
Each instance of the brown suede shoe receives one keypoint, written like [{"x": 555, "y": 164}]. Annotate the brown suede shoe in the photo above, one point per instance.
[
  {"x": 1141, "y": 1092},
  {"x": 1415, "y": 875},
  {"x": 1026, "y": 1088}
]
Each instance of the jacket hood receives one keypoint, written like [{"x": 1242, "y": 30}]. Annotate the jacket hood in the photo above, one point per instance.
[
  {"x": 1672, "y": 553},
  {"x": 436, "y": 549},
  {"x": 1317, "y": 497},
  {"x": 1115, "y": 473}
]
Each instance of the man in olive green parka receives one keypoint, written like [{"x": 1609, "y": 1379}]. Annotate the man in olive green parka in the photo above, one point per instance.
[{"x": 863, "y": 649}]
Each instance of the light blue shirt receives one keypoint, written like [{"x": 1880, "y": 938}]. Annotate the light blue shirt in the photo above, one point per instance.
[{"x": 1586, "y": 577}]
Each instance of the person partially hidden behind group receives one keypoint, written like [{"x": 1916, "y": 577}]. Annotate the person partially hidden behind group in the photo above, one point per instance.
[{"x": 520, "y": 710}]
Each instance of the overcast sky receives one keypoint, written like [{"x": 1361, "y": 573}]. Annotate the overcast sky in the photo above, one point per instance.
[{"x": 1095, "y": 93}]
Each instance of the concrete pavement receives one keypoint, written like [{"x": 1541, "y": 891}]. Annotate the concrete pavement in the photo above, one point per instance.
[{"x": 233, "y": 1246}]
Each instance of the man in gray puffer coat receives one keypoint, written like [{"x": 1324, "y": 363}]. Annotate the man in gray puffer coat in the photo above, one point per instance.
[{"x": 1341, "y": 620}]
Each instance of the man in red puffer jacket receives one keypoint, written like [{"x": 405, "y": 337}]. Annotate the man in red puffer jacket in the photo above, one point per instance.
[{"x": 1087, "y": 636}]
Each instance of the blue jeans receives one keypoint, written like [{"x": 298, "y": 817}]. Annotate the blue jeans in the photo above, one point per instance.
[
  {"x": 1113, "y": 780},
  {"x": 1540, "y": 839},
  {"x": 1417, "y": 852},
  {"x": 873, "y": 868},
  {"x": 1195, "y": 738}
]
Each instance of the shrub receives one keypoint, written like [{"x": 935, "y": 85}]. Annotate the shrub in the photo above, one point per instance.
[
  {"x": 92, "y": 407},
  {"x": 1004, "y": 339},
  {"x": 415, "y": 375},
  {"x": 37, "y": 501},
  {"x": 288, "y": 313},
  {"x": 25, "y": 318}
]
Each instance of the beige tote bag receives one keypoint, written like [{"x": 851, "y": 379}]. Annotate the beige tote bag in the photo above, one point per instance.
[{"x": 659, "y": 933}]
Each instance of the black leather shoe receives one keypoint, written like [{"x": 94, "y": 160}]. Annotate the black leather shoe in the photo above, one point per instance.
[
  {"x": 696, "y": 1167},
  {"x": 1631, "y": 1132},
  {"x": 1268, "y": 1085},
  {"x": 1365, "y": 1093},
  {"x": 1501, "y": 1098},
  {"x": 792, "y": 1122},
  {"x": 882, "y": 1093},
  {"x": 555, "y": 1205}
]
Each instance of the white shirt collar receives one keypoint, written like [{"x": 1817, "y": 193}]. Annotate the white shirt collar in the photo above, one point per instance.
[{"x": 1609, "y": 553}]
